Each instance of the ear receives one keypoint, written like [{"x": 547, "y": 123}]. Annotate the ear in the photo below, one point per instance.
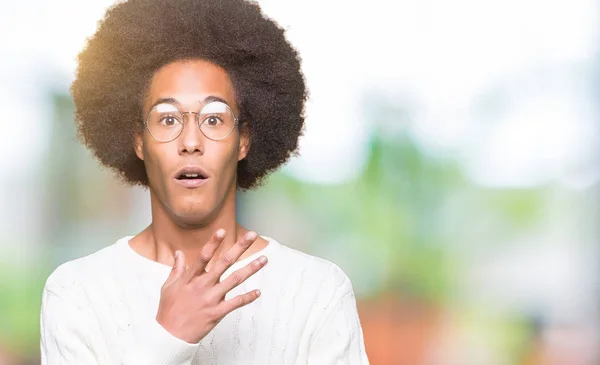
[
  {"x": 244, "y": 142},
  {"x": 138, "y": 145}
]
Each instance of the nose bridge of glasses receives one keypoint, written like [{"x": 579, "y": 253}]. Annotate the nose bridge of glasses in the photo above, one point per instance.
[
  {"x": 197, "y": 132},
  {"x": 196, "y": 116}
]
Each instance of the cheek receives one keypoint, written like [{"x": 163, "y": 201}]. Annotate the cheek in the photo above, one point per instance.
[
  {"x": 155, "y": 161},
  {"x": 224, "y": 157}
]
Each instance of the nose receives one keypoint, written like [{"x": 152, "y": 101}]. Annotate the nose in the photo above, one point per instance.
[{"x": 191, "y": 139}]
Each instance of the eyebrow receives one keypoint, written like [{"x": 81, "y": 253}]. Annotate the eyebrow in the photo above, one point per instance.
[{"x": 207, "y": 99}]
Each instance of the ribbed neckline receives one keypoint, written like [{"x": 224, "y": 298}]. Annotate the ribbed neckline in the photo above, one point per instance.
[{"x": 149, "y": 265}]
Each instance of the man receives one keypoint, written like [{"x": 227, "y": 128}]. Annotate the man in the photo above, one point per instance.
[{"x": 194, "y": 99}]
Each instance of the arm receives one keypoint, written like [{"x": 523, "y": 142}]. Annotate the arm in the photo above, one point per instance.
[
  {"x": 156, "y": 346},
  {"x": 70, "y": 338},
  {"x": 339, "y": 338},
  {"x": 64, "y": 336}
]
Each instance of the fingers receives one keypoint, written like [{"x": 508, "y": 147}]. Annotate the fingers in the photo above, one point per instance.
[
  {"x": 232, "y": 255},
  {"x": 177, "y": 270},
  {"x": 239, "y": 276},
  {"x": 239, "y": 301},
  {"x": 205, "y": 255}
]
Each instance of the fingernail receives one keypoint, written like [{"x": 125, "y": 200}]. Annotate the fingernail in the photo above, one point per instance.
[
  {"x": 257, "y": 292},
  {"x": 262, "y": 260},
  {"x": 221, "y": 233},
  {"x": 251, "y": 235}
]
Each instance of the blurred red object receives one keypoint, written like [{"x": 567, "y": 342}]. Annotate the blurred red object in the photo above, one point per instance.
[{"x": 398, "y": 331}]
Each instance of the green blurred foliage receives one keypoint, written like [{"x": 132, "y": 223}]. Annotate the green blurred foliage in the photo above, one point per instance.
[
  {"x": 392, "y": 206},
  {"x": 20, "y": 301}
]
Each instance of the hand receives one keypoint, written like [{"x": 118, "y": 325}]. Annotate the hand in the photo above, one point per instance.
[{"x": 192, "y": 301}]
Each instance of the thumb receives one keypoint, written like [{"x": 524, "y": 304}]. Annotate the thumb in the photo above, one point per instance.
[{"x": 177, "y": 270}]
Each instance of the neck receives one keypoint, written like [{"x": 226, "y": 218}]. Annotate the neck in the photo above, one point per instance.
[{"x": 166, "y": 234}]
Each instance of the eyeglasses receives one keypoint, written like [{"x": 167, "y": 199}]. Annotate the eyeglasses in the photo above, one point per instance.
[{"x": 216, "y": 121}]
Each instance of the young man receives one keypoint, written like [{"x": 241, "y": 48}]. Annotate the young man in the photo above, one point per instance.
[{"x": 194, "y": 99}]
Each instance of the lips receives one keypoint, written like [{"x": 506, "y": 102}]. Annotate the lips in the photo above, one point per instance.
[{"x": 191, "y": 176}]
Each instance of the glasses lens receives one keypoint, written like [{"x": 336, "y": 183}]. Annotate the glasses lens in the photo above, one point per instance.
[
  {"x": 216, "y": 120},
  {"x": 165, "y": 122}
]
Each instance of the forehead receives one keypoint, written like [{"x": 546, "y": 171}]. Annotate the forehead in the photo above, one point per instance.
[{"x": 190, "y": 82}]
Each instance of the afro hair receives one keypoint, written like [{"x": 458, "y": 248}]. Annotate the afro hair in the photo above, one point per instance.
[{"x": 138, "y": 37}]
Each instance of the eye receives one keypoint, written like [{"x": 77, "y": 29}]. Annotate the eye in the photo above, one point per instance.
[
  {"x": 212, "y": 120},
  {"x": 169, "y": 121}
]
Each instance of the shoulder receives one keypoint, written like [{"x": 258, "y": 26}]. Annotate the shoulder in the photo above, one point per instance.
[
  {"x": 75, "y": 274},
  {"x": 297, "y": 267}
]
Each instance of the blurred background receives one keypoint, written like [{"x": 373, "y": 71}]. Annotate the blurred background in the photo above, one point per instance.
[{"x": 450, "y": 165}]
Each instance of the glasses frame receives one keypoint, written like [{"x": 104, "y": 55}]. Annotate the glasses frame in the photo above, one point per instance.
[{"x": 197, "y": 118}]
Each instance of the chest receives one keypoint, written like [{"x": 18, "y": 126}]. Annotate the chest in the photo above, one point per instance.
[{"x": 275, "y": 329}]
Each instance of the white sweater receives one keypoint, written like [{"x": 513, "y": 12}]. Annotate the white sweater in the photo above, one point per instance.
[{"x": 100, "y": 309}]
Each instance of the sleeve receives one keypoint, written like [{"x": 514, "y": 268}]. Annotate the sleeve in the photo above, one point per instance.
[
  {"x": 156, "y": 346},
  {"x": 339, "y": 339},
  {"x": 64, "y": 338},
  {"x": 67, "y": 337}
]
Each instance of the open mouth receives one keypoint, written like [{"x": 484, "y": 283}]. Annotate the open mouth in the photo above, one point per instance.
[{"x": 191, "y": 176}]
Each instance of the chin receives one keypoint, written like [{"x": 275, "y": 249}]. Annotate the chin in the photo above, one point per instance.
[
  {"x": 192, "y": 207},
  {"x": 194, "y": 218}
]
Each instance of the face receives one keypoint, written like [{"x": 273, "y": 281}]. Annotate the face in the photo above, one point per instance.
[{"x": 192, "y": 176}]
